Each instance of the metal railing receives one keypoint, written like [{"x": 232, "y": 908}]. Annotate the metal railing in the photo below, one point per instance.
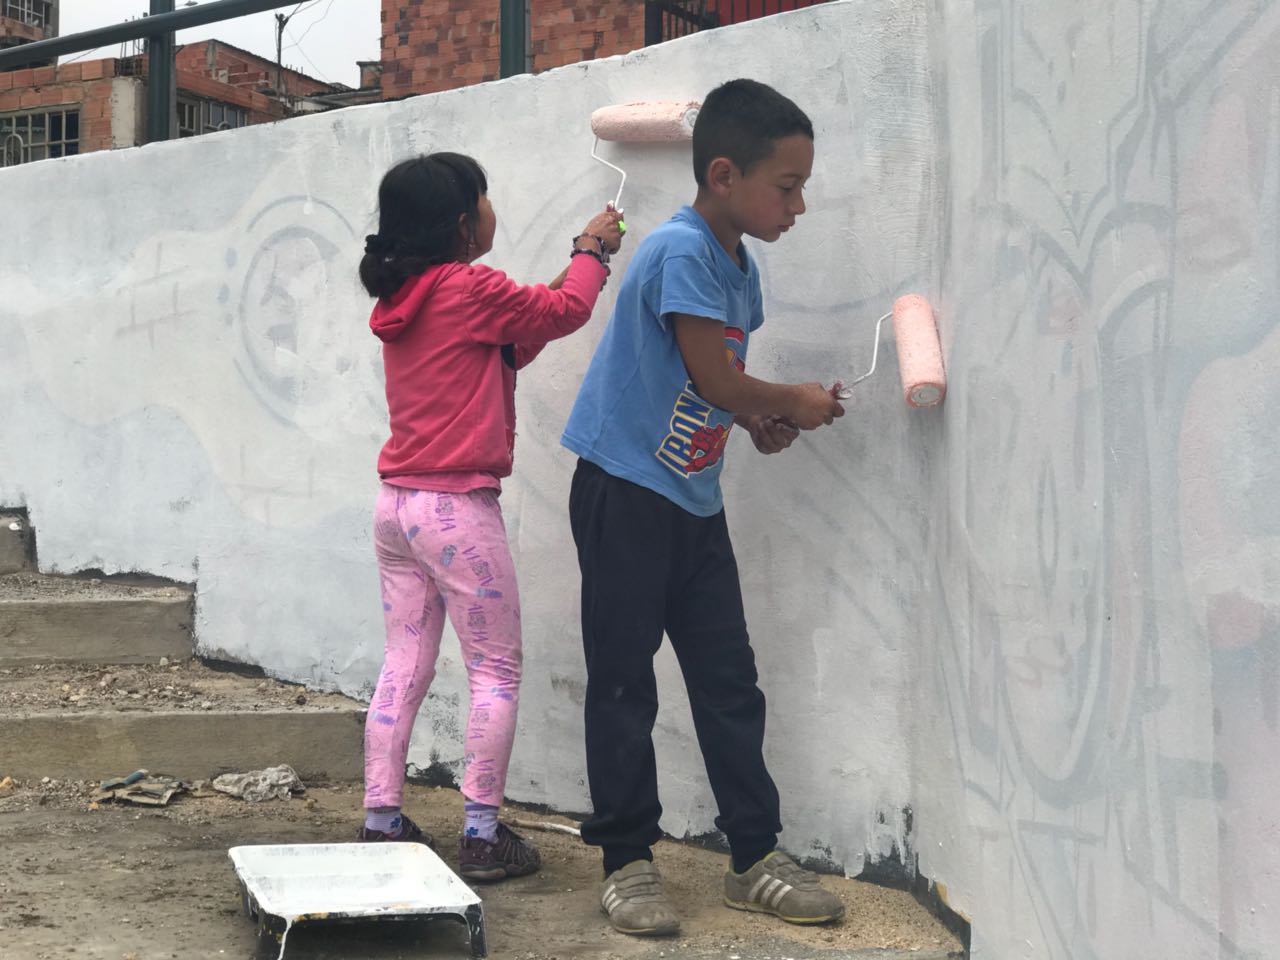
[
  {"x": 158, "y": 29},
  {"x": 39, "y": 134},
  {"x": 667, "y": 19},
  {"x": 12, "y": 150}
]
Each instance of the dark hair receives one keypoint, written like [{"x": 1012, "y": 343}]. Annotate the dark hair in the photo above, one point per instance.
[
  {"x": 419, "y": 203},
  {"x": 741, "y": 120}
]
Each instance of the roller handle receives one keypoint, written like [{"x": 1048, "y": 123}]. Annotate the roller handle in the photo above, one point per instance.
[{"x": 622, "y": 226}]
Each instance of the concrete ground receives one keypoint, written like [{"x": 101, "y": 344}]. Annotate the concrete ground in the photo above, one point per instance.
[{"x": 129, "y": 883}]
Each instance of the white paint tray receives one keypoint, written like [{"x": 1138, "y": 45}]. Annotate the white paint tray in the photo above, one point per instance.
[{"x": 352, "y": 881}]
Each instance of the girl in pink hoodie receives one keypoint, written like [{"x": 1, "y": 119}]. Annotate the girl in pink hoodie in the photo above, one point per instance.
[{"x": 454, "y": 334}]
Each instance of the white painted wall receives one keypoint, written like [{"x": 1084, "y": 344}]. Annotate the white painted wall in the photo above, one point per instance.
[
  {"x": 1043, "y": 617},
  {"x": 1095, "y": 768},
  {"x": 128, "y": 112}
]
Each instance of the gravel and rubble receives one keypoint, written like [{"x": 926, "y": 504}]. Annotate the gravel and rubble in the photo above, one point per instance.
[{"x": 182, "y": 685}]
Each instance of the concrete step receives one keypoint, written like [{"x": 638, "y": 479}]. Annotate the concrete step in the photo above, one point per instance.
[
  {"x": 16, "y": 543},
  {"x": 115, "y": 620},
  {"x": 91, "y": 722}
]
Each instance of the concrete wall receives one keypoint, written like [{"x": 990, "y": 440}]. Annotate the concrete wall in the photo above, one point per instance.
[
  {"x": 128, "y": 112},
  {"x": 1042, "y": 619},
  {"x": 1095, "y": 766}
]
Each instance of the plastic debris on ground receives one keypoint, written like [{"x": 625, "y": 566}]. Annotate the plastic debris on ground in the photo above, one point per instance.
[{"x": 273, "y": 783}]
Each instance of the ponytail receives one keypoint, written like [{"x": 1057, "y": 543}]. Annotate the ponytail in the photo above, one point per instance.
[{"x": 420, "y": 204}]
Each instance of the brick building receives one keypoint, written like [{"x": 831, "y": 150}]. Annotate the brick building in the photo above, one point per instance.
[
  {"x": 431, "y": 45},
  {"x": 101, "y": 104},
  {"x": 25, "y": 21},
  {"x": 427, "y": 45},
  {"x": 79, "y": 107},
  {"x": 225, "y": 64}
]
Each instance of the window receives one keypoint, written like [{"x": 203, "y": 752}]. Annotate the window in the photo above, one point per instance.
[
  {"x": 188, "y": 118},
  {"x": 34, "y": 13},
  {"x": 38, "y": 136},
  {"x": 206, "y": 116},
  {"x": 221, "y": 116}
]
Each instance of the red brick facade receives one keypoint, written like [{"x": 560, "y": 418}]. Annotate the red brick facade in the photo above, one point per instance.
[
  {"x": 431, "y": 45},
  {"x": 87, "y": 84},
  {"x": 427, "y": 46},
  {"x": 89, "y": 105},
  {"x": 569, "y": 31},
  {"x": 10, "y": 27},
  {"x": 261, "y": 108},
  {"x": 226, "y": 64}
]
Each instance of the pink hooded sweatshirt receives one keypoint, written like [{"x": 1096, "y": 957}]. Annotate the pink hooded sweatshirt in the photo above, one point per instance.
[{"x": 450, "y": 394}]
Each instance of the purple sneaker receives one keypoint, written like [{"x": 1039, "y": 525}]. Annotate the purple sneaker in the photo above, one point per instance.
[{"x": 509, "y": 855}]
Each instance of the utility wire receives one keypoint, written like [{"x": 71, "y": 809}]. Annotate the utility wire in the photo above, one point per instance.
[
  {"x": 314, "y": 23},
  {"x": 81, "y": 56},
  {"x": 319, "y": 74}
]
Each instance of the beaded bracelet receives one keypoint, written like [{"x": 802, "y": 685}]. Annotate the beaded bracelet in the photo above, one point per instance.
[
  {"x": 589, "y": 253},
  {"x": 602, "y": 256}
]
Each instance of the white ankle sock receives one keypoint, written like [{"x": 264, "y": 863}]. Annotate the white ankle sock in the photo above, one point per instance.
[
  {"x": 481, "y": 821},
  {"x": 384, "y": 821}
]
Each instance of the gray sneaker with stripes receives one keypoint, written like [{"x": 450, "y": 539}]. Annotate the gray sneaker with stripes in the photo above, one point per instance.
[
  {"x": 778, "y": 885},
  {"x": 635, "y": 902}
]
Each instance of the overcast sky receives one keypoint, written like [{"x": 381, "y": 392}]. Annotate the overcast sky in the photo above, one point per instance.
[{"x": 324, "y": 38}]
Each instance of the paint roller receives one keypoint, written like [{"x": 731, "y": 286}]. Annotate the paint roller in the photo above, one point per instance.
[
  {"x": 924, "y": 380},
  {"x": 649, "y": 121}
]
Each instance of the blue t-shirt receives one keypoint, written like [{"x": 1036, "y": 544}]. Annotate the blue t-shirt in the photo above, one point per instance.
[{"x": 637, "y": 415}]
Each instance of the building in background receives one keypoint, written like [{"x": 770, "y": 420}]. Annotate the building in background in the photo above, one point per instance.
[
  {"x": 432, "y": 45},
  {"x": 83, "y": 106},
  {"x": 26, "y": 21},
  {"x": 80, "y": 106},
  {"x": 427, "y": 46}
]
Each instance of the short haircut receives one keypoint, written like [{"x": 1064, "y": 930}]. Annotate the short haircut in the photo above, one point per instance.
[{"x": 743, "y": 120}]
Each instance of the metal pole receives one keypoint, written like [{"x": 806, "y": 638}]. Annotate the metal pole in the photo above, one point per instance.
[
  {"x": 162, "y": 79},
  {"x": 513, "y": 37},
  {"x": 197, "y": 16},
  {"x": 652, "y": 23},
  {"x": 282, "y": 21}
]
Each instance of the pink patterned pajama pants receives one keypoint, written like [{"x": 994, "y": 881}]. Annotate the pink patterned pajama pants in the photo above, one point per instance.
[{"x": 438, "y": 554}]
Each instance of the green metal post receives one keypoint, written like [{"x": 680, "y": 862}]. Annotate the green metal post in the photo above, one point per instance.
[
  {"x": 162, "y": 80},
  {"x": 513, "y": 37}
]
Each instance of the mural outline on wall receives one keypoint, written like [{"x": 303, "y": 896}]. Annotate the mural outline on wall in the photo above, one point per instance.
[{"x": 1066, "y": 739}]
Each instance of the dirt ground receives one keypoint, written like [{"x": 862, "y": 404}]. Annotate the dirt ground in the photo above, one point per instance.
[{"x": 129, "y": 883}]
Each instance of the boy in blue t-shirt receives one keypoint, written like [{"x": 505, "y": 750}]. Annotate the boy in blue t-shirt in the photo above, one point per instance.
[{"x": 666, "y": 385}]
